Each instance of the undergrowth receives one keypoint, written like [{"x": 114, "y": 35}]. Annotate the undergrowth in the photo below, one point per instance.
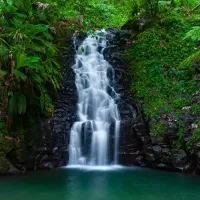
[{"x": 163, "y": 63}]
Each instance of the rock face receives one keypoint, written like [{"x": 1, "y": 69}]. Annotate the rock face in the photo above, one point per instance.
[
  {"x": 135, "y": 142},
  {"x": 45, "y": 146},
  {"x": 49, "y": 146},
  {"x": 54, "y": 149},
  {"x": 137, "y": 145}
]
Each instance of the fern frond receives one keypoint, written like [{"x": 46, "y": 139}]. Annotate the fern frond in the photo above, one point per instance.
[
  {"x": 190, "y": 60},
  {"x": 194, "y": 34}
]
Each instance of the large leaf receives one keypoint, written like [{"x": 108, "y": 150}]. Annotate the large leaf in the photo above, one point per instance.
[
  {"x": 21, "y": 58},
  {"x": 33, "y": 59}
]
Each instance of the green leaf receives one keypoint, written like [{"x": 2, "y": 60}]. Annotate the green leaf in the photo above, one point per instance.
[
  {"x": 56, "y": 64},
  {"x": 3, "y": 50},
  {"x": 33, "y": 59},
  {"x": 50, "y": 52},
  {"x": 33, "y": 62},
  {"x": 36, "y": 47},
  {"x": 36, "y": 78},
  {"x": 2, "y": 72},
  {"x": 55, "y": 83},
  {"x": 19, "y": 75},
  {"x": 10, "y": 93},
  {"x": 12, "y": 105},
  {"x": 21, "y": 58},
  {"x": 17, "y": 103}
]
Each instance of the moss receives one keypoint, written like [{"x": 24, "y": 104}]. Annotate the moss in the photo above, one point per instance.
[
  {"x": 195, "y": 108},
  {"x": 158, "y": 129},
  {"x": 4, "y": 165},
  {"x": 195, "y": 138},
  {"x": 160, "y": 85}
]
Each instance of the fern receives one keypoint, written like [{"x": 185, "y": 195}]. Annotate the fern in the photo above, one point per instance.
[
  {"x": 193, "y": 34},
  {"x": 189, "y": 61}
]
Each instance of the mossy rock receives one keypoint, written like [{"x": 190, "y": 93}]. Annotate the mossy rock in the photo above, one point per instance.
[
  {"x": 6, "y": 145},
  {"x": 6, "y": 167},
  {"x": 137, "y": 24},
  {"x": 2, "y": 153},
  {"x": 132, "y": 24}
]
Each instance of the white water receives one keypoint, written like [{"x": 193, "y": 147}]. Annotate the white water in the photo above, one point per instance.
[{"x": 97, "y": 110}]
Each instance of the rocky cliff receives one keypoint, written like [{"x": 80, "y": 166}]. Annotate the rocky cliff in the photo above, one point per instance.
[
  {"x": 47, "y": 145},
  {"x": 137, "y": 145},
  {"x": 44, "y": 145}
]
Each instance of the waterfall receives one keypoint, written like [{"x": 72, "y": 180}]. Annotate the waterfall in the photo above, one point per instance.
[{"x": 98, "y": 117}]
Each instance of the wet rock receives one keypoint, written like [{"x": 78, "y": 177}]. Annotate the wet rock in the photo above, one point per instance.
[
  {"x": 157, "y": 140},
  {"x": 137, "y": 146},
  {"x": 180, "y": 159},
  {"x": 134, "y": 138},
  {"x": 161, "y": 166},
  {"x": 6, "y": 167},
  {"x": 188, "y": 167},
  {"x": 49, "y": 147},
  {"x": 157, "y": 149}
]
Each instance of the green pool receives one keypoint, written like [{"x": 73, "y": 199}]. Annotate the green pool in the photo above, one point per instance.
[{"x": 100, "y": 184}]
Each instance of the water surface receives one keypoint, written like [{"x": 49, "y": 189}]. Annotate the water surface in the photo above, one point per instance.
[{"x": 100, "y": 184}]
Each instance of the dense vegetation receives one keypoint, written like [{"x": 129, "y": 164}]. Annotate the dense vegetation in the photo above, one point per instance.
[
  {"x": 165, "y": 64},
  {"x": 164, "y": 58},
  {"x": 30, "y": 35}
]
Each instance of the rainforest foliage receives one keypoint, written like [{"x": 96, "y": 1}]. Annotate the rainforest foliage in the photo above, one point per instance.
[
  {"x": 165, "y": 64},
  {"x": 32, "y": 35},
  {"x": 164, "y": 58}
]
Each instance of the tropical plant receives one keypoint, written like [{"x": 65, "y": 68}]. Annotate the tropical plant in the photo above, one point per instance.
[{"x": 27, "y": 54}]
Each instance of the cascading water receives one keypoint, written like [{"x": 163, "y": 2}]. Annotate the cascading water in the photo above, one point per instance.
[{"x": 91, "y": 135}]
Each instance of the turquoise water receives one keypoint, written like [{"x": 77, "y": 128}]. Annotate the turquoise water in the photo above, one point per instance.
[{"x": 118, "y": 184}]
